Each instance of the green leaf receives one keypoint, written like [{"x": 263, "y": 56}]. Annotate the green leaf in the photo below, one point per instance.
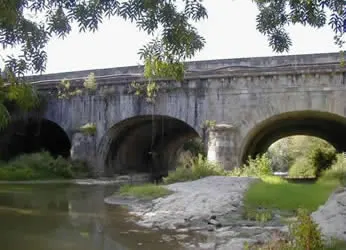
[{"x": 4, "y": 116}]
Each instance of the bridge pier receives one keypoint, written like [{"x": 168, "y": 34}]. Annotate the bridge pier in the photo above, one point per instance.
[
  {"x": 83, "y": 148},
  {"x": 221, "y": 143}
]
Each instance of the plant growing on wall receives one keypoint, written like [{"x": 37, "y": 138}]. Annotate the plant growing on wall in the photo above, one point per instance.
[
  {"x": 66, "y": 91},
  {"x": 208, "y": 124},
  {"x": 90, "y": 82},
  {"x": 88, "y": 129},
  {"x": 157, "y": 69}
]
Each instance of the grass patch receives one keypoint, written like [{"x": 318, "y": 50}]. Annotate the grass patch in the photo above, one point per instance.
[
  {"x": 288, "y": 196},
  {"x": 41, "y": 166},
  {"x": 145, "y": 191},
  {"x": 274, "y": 192}
]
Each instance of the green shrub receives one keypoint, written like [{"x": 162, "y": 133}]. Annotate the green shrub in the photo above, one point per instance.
[
  {"x": 181, "y": 174},
  {"x": 194, "y": 169},
  {"x": 304, "y": 234},
  {"x": 81, "y": 169},
  {"x": 337, "y": 172},
  {"x": 88, "y": 129},
  {"x": 195, "y": 146},
  {"x": 145, "y": 191},
  {"x": 38, "y": 166},
  {"x": 321, "y": 157},
  {"x": 257, "y": 167},
  {"x": 302, "y": 168}
]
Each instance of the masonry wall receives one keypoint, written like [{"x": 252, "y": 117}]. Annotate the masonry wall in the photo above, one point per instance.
[{"x": 241, "y": 101}]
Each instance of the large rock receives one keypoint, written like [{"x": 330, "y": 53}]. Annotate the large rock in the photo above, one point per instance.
[
  {"x": 331, "y": 217},
  {"x": 196, "y": 200}
]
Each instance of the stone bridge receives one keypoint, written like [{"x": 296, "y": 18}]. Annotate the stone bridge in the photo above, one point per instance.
[{"x": 253, "y": 101}]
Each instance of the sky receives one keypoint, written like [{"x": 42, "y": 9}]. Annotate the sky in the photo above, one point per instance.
[{"x": 230, "y": 32}]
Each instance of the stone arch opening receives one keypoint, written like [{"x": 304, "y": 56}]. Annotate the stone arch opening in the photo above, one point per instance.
[
  {"x": 324, "y": 125},
  {"x": 33, "y": 135},
  {"x": 143, "y": 144}
]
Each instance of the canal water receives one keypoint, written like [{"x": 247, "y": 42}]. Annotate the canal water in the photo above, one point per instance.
[{"x": 72, "y": 217}]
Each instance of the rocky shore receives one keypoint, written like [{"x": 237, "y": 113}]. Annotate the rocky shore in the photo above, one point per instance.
[{"x": 211, "y": 206}]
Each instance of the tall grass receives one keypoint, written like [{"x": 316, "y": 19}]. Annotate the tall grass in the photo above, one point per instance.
[
  {"x": 194, "y": 168},
  {"x": 258, "y": 167}
]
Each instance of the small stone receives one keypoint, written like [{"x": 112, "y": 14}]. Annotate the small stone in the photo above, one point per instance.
[
  {"x": 206, "y": 246},
  {"x": 210, "y": 228},
  {"x": 181, "y": 236},
  {"x": 182, "y": 230},
  {"x": 215, "y": 223}
]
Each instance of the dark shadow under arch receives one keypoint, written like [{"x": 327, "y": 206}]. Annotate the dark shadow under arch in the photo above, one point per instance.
[
  {"x": 324, "y": 125},
  {"x": 33, "y": 135},
  {"x": 143, "y": 144}
]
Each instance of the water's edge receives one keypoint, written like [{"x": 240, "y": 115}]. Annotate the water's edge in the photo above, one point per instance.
[
  {"x": 122, "y": 179},
  {"x": 204, "y": 207}
]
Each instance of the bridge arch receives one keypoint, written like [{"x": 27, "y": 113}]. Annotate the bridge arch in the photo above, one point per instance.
[
  {"x": 33, "y": 135},
  {"x": 143, "y": 144},
  {"x": 325, "y": 125}
]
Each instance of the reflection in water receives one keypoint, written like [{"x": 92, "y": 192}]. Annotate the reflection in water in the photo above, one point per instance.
[{"x": 69, "y": 217}]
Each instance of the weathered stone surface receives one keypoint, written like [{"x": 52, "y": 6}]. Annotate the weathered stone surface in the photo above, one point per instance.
[
  {"x": 211, "y": 196},
  {"x": 83, "y": 148},
  {"x": 331, "y": 216},
  {"x": 221, "y": 145},
  {"x": 263, "y": 98}
]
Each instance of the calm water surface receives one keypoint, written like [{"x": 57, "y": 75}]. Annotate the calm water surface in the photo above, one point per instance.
[{"x": 70, "y": 217}]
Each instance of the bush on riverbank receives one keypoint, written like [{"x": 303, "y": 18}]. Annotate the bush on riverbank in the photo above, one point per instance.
[
  {"x": 257, "y": 167},
  {"x": 145, "y": 191},
  {"x": 193, "y": 169},
  {"x": 337, "y": 172},
  {"x": 39, "y": 166},
  {"x": 318, "y": 159},
  {"x": 302, "y": 156}
]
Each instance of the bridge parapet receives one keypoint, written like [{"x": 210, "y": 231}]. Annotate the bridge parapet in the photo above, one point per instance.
[{"x": 242, "y": 67}]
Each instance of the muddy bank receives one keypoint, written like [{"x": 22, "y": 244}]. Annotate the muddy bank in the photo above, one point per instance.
[{"x": 211, "y": 206}]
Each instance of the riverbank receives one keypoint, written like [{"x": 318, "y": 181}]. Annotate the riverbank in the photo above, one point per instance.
[
  {"x": 121, "y": 179},
  {"x": 212, "y": 206}
]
